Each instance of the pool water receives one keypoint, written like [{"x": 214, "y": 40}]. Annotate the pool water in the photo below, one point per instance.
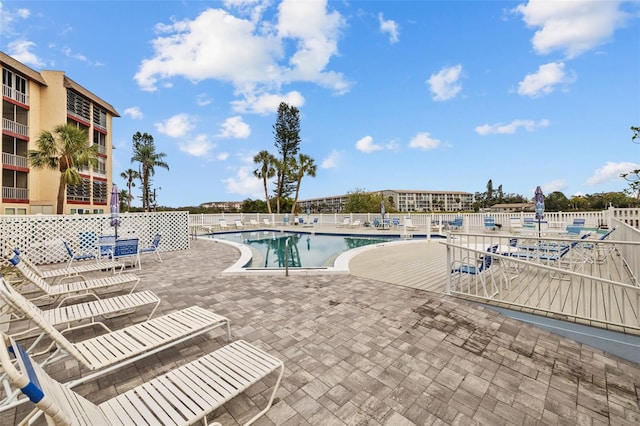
[{"x": 271, "y": 250}]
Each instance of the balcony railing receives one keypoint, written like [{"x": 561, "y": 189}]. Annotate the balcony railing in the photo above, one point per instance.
[
  {"x": 12, "y": 93},
  {"x": 15, "y": 193},
  {"x": 14, "y": 160},
  {"x": 15, "y": 127}
]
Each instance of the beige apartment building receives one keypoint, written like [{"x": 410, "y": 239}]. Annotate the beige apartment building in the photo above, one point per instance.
[
  {"x": 404, "y": 200},
  {"x": 34, "y": 101}
]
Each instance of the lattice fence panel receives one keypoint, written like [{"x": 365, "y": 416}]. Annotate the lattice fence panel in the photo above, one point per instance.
[{"x": 41, "y": 236}]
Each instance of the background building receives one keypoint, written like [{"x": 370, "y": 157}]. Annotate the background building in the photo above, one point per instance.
[
  {"x": 403, "y": 201},
  {"x": 35, "y": 101}
]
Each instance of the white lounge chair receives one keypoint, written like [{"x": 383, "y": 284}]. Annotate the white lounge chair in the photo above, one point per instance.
[
  {"x": 239, "y": 224},
  {"x": 69, "y": 271},
  {"x": 66, "y": 290},
  {"x": 223, "y": 224},
  {"x": 408, "y": 224},
  {"x": 110, "y": 351},
  {"x": 345, "y": 222},
  {"x": 253, "y": 223},
  {"x": 184, "y": 395},
  {"x": 72, "y": 316},
  {"x": 266, "y": 222},
  {"x": 356, "y": 224}
]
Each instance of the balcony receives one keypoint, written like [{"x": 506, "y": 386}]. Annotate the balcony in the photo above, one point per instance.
[
  {"x": 15, "y": 127},
  {"x": 14, "y": 160},
  {"x": 9, "y": 192},
  {"x": 11, "y": 93}
]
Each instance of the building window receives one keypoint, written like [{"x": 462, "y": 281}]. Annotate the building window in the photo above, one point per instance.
[
  {"x": 100, "y": 139},
  {"x": 78, "y": 105},
  {"x": 101, "y": 168},
  {"x": 80, "y": 192},
  {"x": 99, "y": 117},
  {"x": 14, "y": 185},
  {"x": 14, "y": 86},
  {"x": 99, "y": 191},
  {"x": 15, "y": 211},
  {"x": 14, "y": 151}
]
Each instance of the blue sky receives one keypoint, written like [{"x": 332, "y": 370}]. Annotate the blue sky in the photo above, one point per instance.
[{"x": 425, "y": 95}]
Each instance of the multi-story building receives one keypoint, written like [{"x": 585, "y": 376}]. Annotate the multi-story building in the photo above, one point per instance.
[
  {"x": 403, "y": 201},
  {"x": 35, "y": 101},
  {"x": 223, "y": 205}
]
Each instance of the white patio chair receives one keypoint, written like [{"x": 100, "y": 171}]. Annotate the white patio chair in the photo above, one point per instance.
[
  {"x": 184, "y": 395},
  {"x": 408, "y": 224},
  {"x": 69, "y": 271},
  {"x": 66, "y": 290},
  {"x": 73, "y": 317},
  {"x": 110, "y": 351}
]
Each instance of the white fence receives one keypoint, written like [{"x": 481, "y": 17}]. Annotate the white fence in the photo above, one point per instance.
[
  {"x": 40, "y": 236},
  {"x": 591, "y": 279},
  {"x": 472, "y": 221}
]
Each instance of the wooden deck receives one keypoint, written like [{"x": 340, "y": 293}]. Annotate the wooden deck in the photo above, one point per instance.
[{"x": 589, "y": 295}]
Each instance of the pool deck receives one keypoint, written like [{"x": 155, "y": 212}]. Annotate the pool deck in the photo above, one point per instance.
[{"x": 374, "y": 348}]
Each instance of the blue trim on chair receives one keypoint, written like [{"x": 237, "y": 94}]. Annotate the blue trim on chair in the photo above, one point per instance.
[{"x": 33, "y": 389}]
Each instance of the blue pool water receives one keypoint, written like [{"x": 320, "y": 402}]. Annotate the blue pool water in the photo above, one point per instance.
[{"x": 270, "y": 249}]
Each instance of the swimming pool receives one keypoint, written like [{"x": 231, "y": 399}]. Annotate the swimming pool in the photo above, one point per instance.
[{"x": 274, "y": 250}]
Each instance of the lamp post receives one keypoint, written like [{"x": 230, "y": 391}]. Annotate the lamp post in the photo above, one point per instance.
[{"x": 155, "y": 203}]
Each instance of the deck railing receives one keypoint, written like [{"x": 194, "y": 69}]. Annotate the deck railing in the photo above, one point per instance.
[{"x": 592, "y": 280}]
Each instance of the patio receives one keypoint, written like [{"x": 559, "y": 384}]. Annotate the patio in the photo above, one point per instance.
[{"x": 359, "y": 350}]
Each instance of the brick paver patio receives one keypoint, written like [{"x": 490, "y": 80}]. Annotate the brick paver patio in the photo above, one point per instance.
[{"x": 364, "y": 352}]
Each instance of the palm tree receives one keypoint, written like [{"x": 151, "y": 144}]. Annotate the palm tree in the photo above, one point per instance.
[
  {"x": 301, "y": 167},
  {"x": 266, "y": 171},
  {"x": 67, "y": 149},
  {"x": 130, "y": 175},
  {"x": 144, "y": 152},
  {"x": 125, "y": 199}
]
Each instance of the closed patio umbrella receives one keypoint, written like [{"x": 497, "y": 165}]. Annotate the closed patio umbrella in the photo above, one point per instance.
[
  {"x": 114, "y": 206},
  {"x": 539, "y": 204},
  {"x": 382, "y": 212}
]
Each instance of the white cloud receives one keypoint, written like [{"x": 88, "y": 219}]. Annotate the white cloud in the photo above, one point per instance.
[
  {"x": 69, "y": 53},
  {"x": 250, "y": 54},
  {"x": 20, "y": 50},
  {"x": 234, "y": 127},
  {"x": 510, "y": 128},
  {"x": 553, "y": 186},
  {"x": 222, "y": 156},
  {"x": 332, "y": 160},
  {"x": 8, "y": 17},
  {"x": 176, "y": 126},
  {"x": 390, "y": 27},
  {"x": 202, "y": 99},
  {"x": 424, "y": 141},
  {"x": 366, "y": 145},
  {"x": 266, "y": 103},
  {"x": 573, "y": 27},
  {"x": 134, "y": 113},
  {"x": 611, "y": 172},
  {"x": 544, "y": 81},
  {"x": 444, "y": 85},
  {"x": 198, "y": 147},
  {"x": 244, "y": 183}
]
